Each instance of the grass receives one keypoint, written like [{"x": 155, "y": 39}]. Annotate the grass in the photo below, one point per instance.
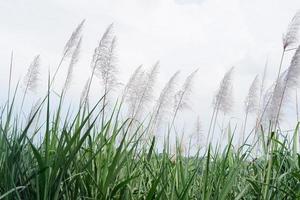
[
  {"x": 77, "y": 159},
  {"x": 97, "y": 153}
]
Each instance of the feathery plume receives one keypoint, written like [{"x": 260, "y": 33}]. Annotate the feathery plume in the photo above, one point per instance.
[
  {"x": 223, "y": 99},
  {"x": 31, "y": 78},
  {"x": 266, "y": 103},
  {"x": 251, "y": 101},
  {"x": 69, "y": 48},
  {"x": 74, "y": 60},
  {"x": 104, "y": 65},
  {"x": 100, "y": 52},
  {"x": 132, "y": 89},
  {"x": 104, "y": 59},
  {"x": 84, "y": 94},
  {"x": 182, "y": 96},
  {"x": 261, "y": 101},
  {"x": 164, "y": 101},
  {"x": 273, "y": 100},
  {"x": 290, "y": 81},
  {"x": 293, "y": 73},
  {"x": 290, "y": 38},
  {"x": 132, "y": 82},
  {"x": 71, "y": 44},
  {"x": 108, "y": 68},
  {"x": 263, "y": 80},
  {"x": 145, "y": 95}
]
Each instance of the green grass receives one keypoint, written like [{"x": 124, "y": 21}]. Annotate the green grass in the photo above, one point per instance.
[
  {"x": 94, "y": 152},
  {"x": 50, "y": 157}
]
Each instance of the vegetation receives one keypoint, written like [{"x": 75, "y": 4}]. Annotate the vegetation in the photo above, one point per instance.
[{"x": 99, "y": 152}]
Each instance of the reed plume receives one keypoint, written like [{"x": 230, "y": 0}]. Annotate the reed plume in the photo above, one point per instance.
[
  {"x": 132, "y": 89},
  {"x": 164, "y": 102},
  {"x": 182, "y": 96},
  {"x": 266, "y": 104},
  {"x": 72, "y": 43},
  {"x": 146, "y": 90},
  {"x": 293, "y": 72},
  {"x": 103, "y": 45},
  {"x": 31, "y": 78},
  {"x": 272, "y": 98},
  {"x": 290, "y": 38},
  {"x": 104, "y": 61},
  {"x": 251, "y": 103},
  {"x": 69, "y": 47},
  {"x": 106, "y": 69},
  {"x": 261, "y": 107},
  {"x": 74, "y": 60},
  {"x": 84, "y": 93},
  {"x": 132, "y": 83},
  {"x": 261, "y": 92},
  {"x": 104, "y": 64},
  {"x": 290, "y": 81},
  {"x": 101, "y": 52},
  {"x": 223, "y": 100}
]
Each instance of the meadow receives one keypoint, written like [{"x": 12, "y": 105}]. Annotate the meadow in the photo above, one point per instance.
[{"x": 111, "y": 149}]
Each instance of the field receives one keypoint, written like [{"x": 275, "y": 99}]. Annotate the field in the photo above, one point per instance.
[{"x": 110, "y": 149}]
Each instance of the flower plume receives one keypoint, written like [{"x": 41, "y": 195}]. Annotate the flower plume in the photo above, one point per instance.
[
  {"x": 223, "y": 99},
  {"x": 31, "y": 78},
  {"x": 183, "y": 95},
  {"x": 251, "y": 101},
  {"x": 288, "y": 80},
  {"x": 164, "y": 101},
  {"x": 104, "y": 60},
  {"x": 290, "y": 38},
  {"x": 293, "y": 73},
  {"x": 84, "y": 93},
  {"x": 74, "y": 60},
  {"x": 131, "y": 91},
  {"x": 73, "y": 40},
  {"x": 146, "y": 90},
  {"x": 273, "y": 98}
]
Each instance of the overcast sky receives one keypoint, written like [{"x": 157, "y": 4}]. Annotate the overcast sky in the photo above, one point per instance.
[{"x": 212, "y": 35}]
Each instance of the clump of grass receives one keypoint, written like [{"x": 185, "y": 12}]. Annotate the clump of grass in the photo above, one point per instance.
[
  {"x": 95, "y": 152},
  {"x": 76, "y": 159}
]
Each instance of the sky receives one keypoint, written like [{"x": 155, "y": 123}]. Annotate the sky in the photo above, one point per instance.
[{"x": 211, "y": 35}]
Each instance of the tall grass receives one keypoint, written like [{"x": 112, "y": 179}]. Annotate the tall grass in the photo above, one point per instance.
[
  {"x": 76, "y": 159},
  {"x": 98, "y": 152}
]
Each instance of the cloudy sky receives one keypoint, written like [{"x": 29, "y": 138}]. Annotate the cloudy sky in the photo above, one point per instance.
[{"x": 212, "y": 35}]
